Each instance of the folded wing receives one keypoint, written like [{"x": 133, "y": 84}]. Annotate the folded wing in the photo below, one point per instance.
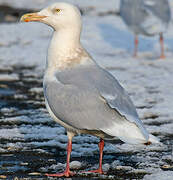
[{"x": 91, "y": 98}]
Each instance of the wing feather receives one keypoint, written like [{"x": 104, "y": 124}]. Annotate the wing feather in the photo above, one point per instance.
[
  {"x": 159, "y": 8},
  {"x": 158, "y": 16},
  {"x": 77, "y": 99}
]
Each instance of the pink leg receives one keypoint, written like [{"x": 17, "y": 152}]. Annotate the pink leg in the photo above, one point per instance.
[
  {"x": 67, "y": 171},
  {"x": 162, "y": 56},
  {"x": 136, "y": 42},
  {"x": 101, "y": 147}
]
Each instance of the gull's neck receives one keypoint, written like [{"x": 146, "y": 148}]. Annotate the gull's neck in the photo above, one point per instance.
[{"x": 65, "y": 49}]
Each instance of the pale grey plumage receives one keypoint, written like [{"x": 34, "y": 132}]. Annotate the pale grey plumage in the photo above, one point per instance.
[
  {"x": 147, "y": 17},
  {"x": 88, "y": 97}
]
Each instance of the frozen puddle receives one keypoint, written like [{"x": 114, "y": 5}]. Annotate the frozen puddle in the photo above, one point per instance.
[{"x": 31, "y": 144}]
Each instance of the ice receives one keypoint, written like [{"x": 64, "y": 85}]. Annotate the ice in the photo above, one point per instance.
[
  {"x": 57, "y": 167},
  {"x": 8, "y": 110},
  {"x": 9, "y": 77},
  {"x": 114, "y": 164},
  {"x": 160, "y": 175},
  {"x": 36, "y": 90},
  {"x": 10, "y": 133},
  {"x": 106, "y": 167}
]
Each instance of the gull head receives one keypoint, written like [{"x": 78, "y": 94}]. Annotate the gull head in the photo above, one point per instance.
[{"x": 59, "y": 16}]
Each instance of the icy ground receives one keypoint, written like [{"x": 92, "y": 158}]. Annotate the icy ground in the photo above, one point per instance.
[{"x": 31, "y": 144}]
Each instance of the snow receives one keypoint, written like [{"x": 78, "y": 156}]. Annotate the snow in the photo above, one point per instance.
[
  {"x": 36, "y": 90},
  {"x": 147, "y": 79},
  {"x": 9, "y": 77},
  {"x": 161, "y": 175}
]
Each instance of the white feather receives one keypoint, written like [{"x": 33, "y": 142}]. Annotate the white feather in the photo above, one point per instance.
[{"x": 127, "y": 132}]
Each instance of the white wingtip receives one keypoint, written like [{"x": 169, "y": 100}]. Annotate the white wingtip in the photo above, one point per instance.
[{"x": 154, "y": 139}]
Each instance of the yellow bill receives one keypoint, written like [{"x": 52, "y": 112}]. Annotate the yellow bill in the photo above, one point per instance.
[{"x": 32, "y": 17}]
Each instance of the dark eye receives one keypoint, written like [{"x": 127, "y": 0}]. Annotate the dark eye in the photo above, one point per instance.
[{"x": 57, "y": 10}]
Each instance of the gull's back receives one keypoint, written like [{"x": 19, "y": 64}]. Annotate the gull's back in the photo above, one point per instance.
[{"x": 147, "y": 17}]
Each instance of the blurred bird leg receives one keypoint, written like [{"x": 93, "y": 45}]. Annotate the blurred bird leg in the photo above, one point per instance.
[
  {"x": 136, "y": 46},
  {"x": 162, "y": 56}
]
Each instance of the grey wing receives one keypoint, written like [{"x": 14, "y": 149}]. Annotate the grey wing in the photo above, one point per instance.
[
  {"x": 159, "y": 8},
  {"x": 133, "y": 14},
  {"x": 158, "y": 16},
  {"x": 91, "y": 98},
  {"x": 75, "y": 103},
  {"x": 117, "y": 98}
]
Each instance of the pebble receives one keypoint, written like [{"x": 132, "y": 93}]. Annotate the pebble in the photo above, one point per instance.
[
  {"x": 3, "y": 177},
  {"x": 74, "y": 165}
]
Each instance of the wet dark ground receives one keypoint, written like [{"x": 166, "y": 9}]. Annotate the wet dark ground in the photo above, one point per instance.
[{"x": 19, "y": 158}]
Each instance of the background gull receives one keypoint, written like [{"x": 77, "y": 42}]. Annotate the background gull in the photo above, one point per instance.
[
  {"x": 146, "y": 17},
  {"x": 80, "y": 95}
]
